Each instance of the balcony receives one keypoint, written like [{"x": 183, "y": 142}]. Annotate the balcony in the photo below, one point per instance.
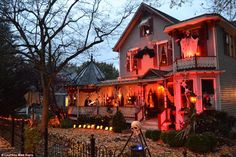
[{"x": 195, "y": 63}]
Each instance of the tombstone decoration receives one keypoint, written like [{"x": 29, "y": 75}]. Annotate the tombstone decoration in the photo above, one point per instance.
[{"x": 138, "y": 150}]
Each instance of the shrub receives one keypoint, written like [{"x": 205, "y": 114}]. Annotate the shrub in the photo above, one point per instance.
[
  {"x": 155, "y": 135},
  {"x": 66, "y": 123},
  {"x": 214, "y": 121},
  {"x": 148, "y": 134},
  {"x": 106, "y": 121},
  {"x": 173, "y": 139},
  {"x": 83, "y": 119},
  {"x": 163, "y": 137},
  {"x": 118, "y": 122},
  {"x": 201, "y": 143},
  {"x": 212, "y": 140}
]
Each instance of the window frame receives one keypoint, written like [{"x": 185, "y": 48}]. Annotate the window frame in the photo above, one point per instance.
[{"x": 131, "y": 61}]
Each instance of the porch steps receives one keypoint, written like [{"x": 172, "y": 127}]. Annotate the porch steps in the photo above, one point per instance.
[{"x": 150, "y": 124}]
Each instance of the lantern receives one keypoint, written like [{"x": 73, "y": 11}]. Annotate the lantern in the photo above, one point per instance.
[{"x": 192, "y": 98}]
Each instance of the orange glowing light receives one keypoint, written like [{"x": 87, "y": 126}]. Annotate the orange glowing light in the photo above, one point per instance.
[
  {"x": 98, "y": 127},
  {"x": 101, "y": 127},
  {"x": 84, "y": 126},
  {"x": 193, "y": 100},
  {"x": 79, "y": 126},
  {"x": 106, "y": 128},
  {"x": 110, "y": 128},
  {"x": 88, "y": 126},
  {"x": 160, "y": 88},
  {"x": 74, "y": 126},
  {"x": 93, "y": 126}
]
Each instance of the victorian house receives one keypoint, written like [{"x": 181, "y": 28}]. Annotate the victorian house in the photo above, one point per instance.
[{"x": 162, "y": 62}]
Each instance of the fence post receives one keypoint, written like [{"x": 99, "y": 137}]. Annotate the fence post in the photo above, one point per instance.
[
  {"x": 46, "y": 142},
  {"x": 12, "y": 132},
  {"x": 92, "y": 142},
  {"x": 22, "y": 137}
]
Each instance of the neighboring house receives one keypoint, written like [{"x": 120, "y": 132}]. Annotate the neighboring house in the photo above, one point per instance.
[{"x": 162, "y": 61}]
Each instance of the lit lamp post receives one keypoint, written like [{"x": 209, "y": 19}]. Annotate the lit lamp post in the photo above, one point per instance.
[{"x": 192, "y": 98}]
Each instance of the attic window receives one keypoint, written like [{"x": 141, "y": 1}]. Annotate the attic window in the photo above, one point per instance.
[{"x": 146, "y": 26}]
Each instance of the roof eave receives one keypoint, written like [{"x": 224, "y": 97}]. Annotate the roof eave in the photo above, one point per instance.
[
  {"x": 133, "y": 22},
  {"x": 192, "y": 21}
]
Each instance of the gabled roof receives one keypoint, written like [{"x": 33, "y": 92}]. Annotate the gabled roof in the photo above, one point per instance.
[
  {"x": 199, "y": 19},
  {"x": 89, "y": 75},
  {"x": 234, "y": 23},
  {"x": 154, "y": 73},
  {"x": 135, "y": 18}
]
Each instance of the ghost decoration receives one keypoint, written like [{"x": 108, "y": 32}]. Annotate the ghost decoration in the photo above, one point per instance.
[{"x": 136, "y": 127}]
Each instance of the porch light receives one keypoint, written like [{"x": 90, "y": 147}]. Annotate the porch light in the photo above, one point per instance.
[
  {"x": 192, "y": 98},
  {"x": 119, "y": 96},
  {"x": 161, "y": 88}
]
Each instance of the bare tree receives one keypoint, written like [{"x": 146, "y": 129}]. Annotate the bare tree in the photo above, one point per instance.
[
  {"x": 223, "y": 7},
  {"x": 50, "y": 33}
]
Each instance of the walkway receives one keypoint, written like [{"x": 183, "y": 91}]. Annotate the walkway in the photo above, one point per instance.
[
  {"x": 5, "y": 148},
  {"x": 150, "y": 124}
]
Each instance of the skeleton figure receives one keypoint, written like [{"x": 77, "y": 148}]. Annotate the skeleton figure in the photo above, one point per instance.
[{"x": 136, "y": 127}]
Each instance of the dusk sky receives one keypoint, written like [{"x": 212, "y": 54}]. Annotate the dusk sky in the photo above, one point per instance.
[{"x": 104, "y": 51}]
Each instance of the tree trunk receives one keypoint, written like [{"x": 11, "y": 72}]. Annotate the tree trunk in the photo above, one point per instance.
[
  {"x": 44, "y": 122},
  {"x": 46, "y": 100}
]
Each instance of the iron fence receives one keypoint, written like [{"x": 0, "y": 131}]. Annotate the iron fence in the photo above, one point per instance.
[
  {"x": 61, "y": 147},
  {"x": 55, "y": 145},
  {"x": 12, "y": 130}
]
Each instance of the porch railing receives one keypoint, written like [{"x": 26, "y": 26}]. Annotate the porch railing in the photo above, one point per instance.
[
  {"x": 130, "y": 112},
  {"x": 196, "y": 62}
]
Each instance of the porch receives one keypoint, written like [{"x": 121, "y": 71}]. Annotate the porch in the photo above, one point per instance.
[
  {"x": 195, "y": 62},
  {"x": 130, "y": 113}
]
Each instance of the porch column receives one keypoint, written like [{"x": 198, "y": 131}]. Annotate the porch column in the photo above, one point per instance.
[
  {"x": 197, "y": 90},
  {"x": 77, "y": 103},
  {"x": 217, "y": 93},
  {"x": 177, "y": 102}
]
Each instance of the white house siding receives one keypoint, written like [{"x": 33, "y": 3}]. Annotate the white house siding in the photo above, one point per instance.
[{"x": 227, "y": 78}]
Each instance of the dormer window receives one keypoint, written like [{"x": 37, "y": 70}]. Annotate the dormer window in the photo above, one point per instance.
[{"x": 146, "y": 26}]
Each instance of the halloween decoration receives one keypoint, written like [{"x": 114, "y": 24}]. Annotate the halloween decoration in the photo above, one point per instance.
[
  {"x": 136, "y": 130},
  {"x": 145, "y": 51}
]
